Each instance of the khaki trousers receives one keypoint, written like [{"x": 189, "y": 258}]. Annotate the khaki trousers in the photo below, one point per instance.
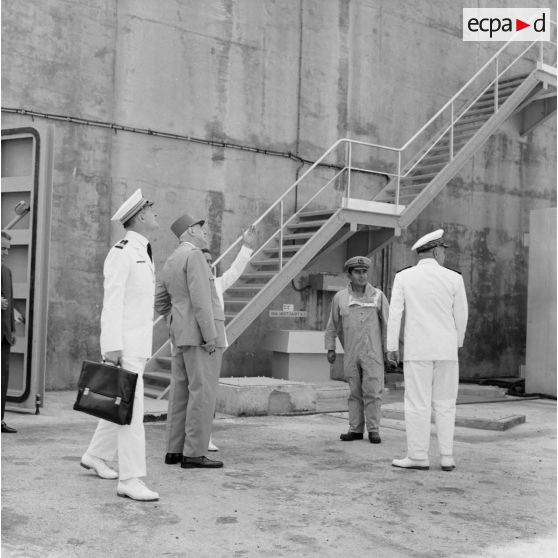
[
  {"x": 192, "y": 396},
  {"x": 430, "y": 384},
  {"x": 127, "y": 442}
]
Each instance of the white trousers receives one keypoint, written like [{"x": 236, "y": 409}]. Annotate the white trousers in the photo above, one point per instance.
[
  {"x": 127, "y": 442},
  {"x": 430, "y": 384}
]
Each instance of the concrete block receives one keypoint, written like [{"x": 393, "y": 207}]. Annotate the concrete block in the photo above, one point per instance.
[
  {"x": 300, "y": 356},
  {"x": 264, "y": 396}
]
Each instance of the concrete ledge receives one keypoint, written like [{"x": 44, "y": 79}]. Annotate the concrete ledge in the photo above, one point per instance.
[
  {"x": 264, "y": 396},
  {"x": 484, "y": 416}
]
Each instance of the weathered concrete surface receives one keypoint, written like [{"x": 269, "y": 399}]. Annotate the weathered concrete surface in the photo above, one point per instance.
[
  {"x": 251, "y": 396},
  {"x": 283, "y": 75},
  {"x": 289, "y": 488}
]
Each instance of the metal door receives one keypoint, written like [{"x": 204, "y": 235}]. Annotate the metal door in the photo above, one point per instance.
[{"x": 26, "y": 177}]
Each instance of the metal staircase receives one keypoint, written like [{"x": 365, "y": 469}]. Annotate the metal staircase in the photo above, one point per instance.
[{"x": 341, "y": 198}]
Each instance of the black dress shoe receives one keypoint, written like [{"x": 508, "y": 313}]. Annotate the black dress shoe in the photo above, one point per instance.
[
  {"x": 172, "y": 458},
  {"x": 200, "y": 462},
  {"x": 374, "y": 438},
  {"x": 350, "y": 436},
  {"x": 8, "y": 429}
]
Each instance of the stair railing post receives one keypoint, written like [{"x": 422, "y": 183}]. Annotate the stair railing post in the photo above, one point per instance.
[
  {"x": 281, "y": 236},
  {"x": 398, "y": 179},
  {"x": 496, "y": 89},
  {"x": 451, "y": 133},
  {"x": 349, "y": 155}
]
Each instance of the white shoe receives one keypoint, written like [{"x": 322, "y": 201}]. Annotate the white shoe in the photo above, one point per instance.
[
  {"x": 447, "y": 463},
  {"x": 98, "y": 466},
  {"x": 136, "y": 490},
  {"x": 408, "y": 463},
  {"x": 211, "y": 446}
]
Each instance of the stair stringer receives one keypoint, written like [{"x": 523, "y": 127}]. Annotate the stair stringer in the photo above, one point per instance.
[
  {"x": 424, "y": 198},
  {"x": 283, "y": 277}
]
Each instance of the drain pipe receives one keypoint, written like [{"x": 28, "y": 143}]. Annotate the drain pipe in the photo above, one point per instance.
[{"x": 299, "y": 93}]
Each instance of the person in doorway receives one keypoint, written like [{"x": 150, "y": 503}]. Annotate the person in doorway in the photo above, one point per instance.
[
  {"x": 186, "y": 290},
  {"x": 229, "y": 278},
  {"x": 8, "y": 326},
  {"x": 358, "y": 317},
  {"x": 126, "y": 338},
  {"x": 433, "y": 301}
]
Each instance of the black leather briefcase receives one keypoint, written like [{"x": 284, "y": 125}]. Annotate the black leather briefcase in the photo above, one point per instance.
[{"x": 106, "y": 391}]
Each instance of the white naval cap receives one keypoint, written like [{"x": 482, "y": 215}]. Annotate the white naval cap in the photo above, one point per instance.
[
  {"x": 429, "y": 241},
  {"x": 133, "y": 205}
]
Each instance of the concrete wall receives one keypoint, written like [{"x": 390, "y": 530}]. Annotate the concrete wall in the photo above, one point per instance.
[
  {"x": 540, "y": 370},
  {"x": 287, "y": 75}
]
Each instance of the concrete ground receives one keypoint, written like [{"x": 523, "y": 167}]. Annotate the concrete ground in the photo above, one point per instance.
[{"x": 289, "y": 488}]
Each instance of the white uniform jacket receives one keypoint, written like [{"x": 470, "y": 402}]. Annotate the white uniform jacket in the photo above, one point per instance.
[
  {"x": 229, "y": 278},
  {"x": 435, "y": 305},
  {"x": 129, "y": 290}
]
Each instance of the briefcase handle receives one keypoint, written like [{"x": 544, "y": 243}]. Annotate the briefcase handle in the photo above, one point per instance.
[{"x": 111, "y": 363}]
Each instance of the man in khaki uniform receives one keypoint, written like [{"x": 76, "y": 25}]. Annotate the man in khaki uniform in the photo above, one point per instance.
[
  {"x": 359, "y": 315},
  {"x": 186, "y": 290}
]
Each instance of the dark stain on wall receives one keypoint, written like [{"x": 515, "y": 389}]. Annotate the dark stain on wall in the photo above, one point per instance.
[{"x": 215, "y": 204}]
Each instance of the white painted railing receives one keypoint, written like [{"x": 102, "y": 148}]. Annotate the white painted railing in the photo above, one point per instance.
[{"x": 454, "y": 106}]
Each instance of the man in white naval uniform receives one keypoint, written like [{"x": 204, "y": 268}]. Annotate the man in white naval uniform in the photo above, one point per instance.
[
  {"x": 126, "y": 338},
  {"x": 433, "y": 300}
]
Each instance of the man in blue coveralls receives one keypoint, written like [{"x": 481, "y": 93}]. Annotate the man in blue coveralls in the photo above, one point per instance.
[{"x": 359, "y": 317}]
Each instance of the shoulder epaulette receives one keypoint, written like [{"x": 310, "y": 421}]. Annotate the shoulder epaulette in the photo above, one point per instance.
[
  {"x": 404, "y": 268},
  {"x": 121, "y": 244},
  {"x": 454, "y": 270}
]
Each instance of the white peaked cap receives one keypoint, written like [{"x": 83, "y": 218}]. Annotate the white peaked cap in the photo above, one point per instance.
[
  {"x": 133, "y": 205},
  {"x": 429, "y": 241}
]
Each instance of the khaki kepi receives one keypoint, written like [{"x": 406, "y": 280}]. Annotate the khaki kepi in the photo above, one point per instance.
[
  {"x": 132, "y": 206},
  {"x": 180, "y": 226},
  {"x": 429, "y": 241}
]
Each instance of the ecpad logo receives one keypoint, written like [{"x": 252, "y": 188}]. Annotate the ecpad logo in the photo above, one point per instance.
[{"x": 506, "y": 24}]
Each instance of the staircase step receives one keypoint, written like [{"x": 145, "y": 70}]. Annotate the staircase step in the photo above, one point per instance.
[
  {"x": 307, "y": 225},
  {"x": 419, "y": 177},
  {"x": 425, "y": 167},
  {"x": 489, "y": 103},
  {"x": 242, "y": 289},
  {"x": 474, "y": 118},
  {"x": 235, "y": 301},
  {"x": 467, "y": 126},
  {"x": 298, "y": 236},
  {"x": 269, "y": 261},
  {"x": 316, "y": 213},
  {"x": 157, "y": 375},
  {"x": 230, "y": 315},
  {"x": 150, "y": 391},
  {"x": 431, "y": 156},
  {"x": 506, "y": 89},
  {"x": 258, "y": 275},
  {"x": 481, "y": 111},
  {"x": 165, "y": 361},
  {"x": 286, "y": 249}
]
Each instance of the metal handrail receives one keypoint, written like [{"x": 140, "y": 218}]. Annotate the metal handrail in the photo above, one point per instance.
[
  {"x": 450, "y": 103},
  {"x": 464, "y": 87}
]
